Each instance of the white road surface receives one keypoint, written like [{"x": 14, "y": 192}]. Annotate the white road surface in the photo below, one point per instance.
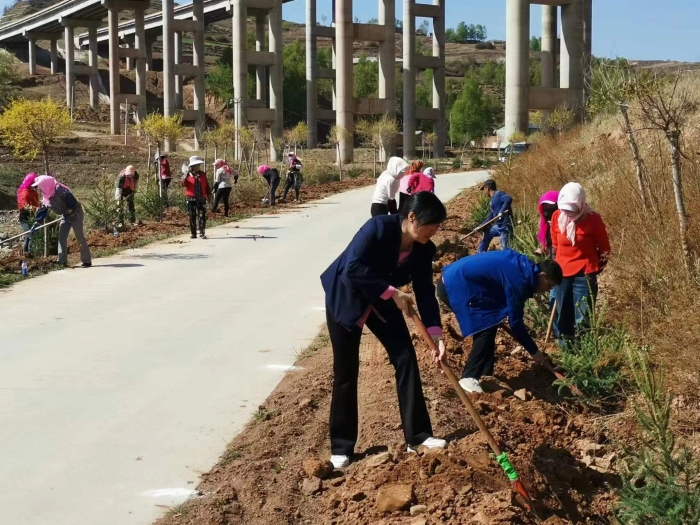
[{"x": 120, "y": 384}]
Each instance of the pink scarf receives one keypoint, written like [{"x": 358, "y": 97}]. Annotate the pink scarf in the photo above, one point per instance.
[
  {"x": 262, "y": 169},
  {"x": 550, "y": 197},
  {"x": 28, "y": 181},
  {"x": 47, "y": 184},
  {"x": 572, "y": 206}
]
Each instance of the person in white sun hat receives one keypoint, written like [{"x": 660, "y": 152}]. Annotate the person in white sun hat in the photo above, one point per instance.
[{"x": 197, "y": 193}]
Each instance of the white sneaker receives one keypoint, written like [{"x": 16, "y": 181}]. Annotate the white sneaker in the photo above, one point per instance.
[
  {"x": 431, "y": 442},
  {"x": 471, "y": 385},
  {"x": 340, "y": 462}
]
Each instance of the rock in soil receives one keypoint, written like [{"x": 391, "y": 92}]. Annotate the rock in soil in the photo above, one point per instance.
[
  {"x": 521, "y": 394},
  {"x": 394, "y": 497},
  {"x": 418, "y": 509},
  {"x": 315, "y": 468},
  {"x": 379, "y": 459},
  {"x": 310, "y": 486}
]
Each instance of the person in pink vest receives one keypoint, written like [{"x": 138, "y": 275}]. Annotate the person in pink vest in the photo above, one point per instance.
[{"x": 422, "y": 181}]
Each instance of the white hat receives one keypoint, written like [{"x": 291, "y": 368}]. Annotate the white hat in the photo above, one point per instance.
[{"x": 194, "y": 161}]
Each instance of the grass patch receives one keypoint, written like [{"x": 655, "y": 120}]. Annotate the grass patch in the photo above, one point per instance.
[
  {"x": 230, "y": 456},
  {"x": 263, "y": 414},
  {"x": 322, "y": 340}
]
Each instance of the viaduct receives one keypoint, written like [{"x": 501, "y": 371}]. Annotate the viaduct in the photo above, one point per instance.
[{"x": 133, "y": 40}]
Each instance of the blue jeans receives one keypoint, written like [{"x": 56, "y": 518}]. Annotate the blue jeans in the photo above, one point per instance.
[
  {"x": 27, "y": 247},
  {"x": 490, "y": 234},
  {"x": 575, "y": 298}
]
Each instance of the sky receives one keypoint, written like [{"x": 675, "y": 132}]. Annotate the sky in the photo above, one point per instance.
[{"x": 634, "y": 29}]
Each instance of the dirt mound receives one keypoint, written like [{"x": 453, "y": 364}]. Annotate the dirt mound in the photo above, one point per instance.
[{"x": 262, "y": 479}]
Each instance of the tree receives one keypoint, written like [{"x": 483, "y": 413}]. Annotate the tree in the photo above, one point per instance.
[
  {"x": 473, "y": 114},
  {"x": 219, "y": 82},
  {"x": 374, "y": 21},
  {"x": 536, "y": 43},
  {"x": 339, "y": 134},
  {"x": 610, "y": 88},
  {"x": 424, "y": 28},
  {"x": 666, "y": 105},
  {"x": 31, "y": 127},
  {"x": 160, "y": 130},
  {"x": 366, "y": 75},
  {"x": 294, "y": 84},
  {"x": 560, "y": 120},
  {"x": 298, "y": 135},
  {"x": 9, "y": 75},
  {"x": 398, "y": 24}
]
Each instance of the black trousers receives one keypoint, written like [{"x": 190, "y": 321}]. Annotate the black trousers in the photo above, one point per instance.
[
  {"x": 197, "y": 210},
  {"x": 294, "y": 180},
  {"x": 165, "y": 183},
  {"x": 222, "y": 194},
  {"x": 379, "y": 209},
  {"x": 394, "y": 336},
  {"x": 403, "y": 197},
  {"x": 130, "y": 206},
  {"x": 483, "y": 355}
]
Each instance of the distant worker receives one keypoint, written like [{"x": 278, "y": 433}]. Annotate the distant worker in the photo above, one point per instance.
[
  {"x": 485, "y": 289},
  {"x": 546, "y": 208},
  {"x": 197, "y": 193},
  {"x": 384, "y": 197},
  {"x": 294, "y": 177},
  {"x": 27, "y": 203},
  {"x": 163, "y": 168},
  {"x": 416, "y": 167},
  {"x": 499, "y": 209},
  {"x": 61, "y": 201},
  {"x": 222, "y": 184},
  {"x": 127, "y": 182},
  {"x": 272, "y": 176},
  {"x": 582, "y": 249},
  {"x": 422, "y": 181}
]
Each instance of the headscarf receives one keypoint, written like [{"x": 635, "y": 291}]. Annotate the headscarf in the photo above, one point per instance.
[
  {"x": 549, "y": 197},
  {"x": 221, "y": 163},
  {"x": 572, "y": 207},
  {"x": 47, "y": 184},
  {"x": 28, "y": 181},
  {"x": 396, "y": 168},
  {"x": 129, "y": 171},
  {"x": 262, "y": 169},
  {"x": 429, "y": 172}
]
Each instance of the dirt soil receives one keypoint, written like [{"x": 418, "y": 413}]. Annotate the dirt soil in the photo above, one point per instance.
[{"x": 560, "y": 452}]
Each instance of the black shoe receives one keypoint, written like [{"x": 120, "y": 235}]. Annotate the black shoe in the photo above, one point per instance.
[
  {"x": 86, "y": 265},
  {"x": 193, "y": 236},
  {"x": 202, "y": 236}
]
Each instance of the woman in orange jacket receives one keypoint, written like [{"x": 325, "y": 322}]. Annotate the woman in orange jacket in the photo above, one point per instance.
[{"x": 580, "y": 242}]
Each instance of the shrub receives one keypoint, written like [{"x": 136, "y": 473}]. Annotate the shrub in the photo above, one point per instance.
[
  {"x": 321, "y": 174},
  {"x": 478, "y": 212},
  {"x": 525, "y": 227},
  {"x": 480, "y": 162},
  {"x": 660, "y": 479},
  {"x": 594, "y": 362},
  {"x": 354, "y": 173},
  {"x": 457, "y": 163},
  {"x": 149, "y": 203},
  {"x": 100, "y": 207},
  {"x": 485, "y": 45},
  {"x": 250, "y": 192}
]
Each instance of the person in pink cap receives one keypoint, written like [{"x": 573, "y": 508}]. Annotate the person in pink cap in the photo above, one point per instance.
[
  {"x": 126, "y": 190},
  {"x": 272, "y": 176}
]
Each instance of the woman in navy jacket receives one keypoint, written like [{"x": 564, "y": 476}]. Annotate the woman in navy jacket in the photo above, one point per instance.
[{"x": 389, "y": 251}]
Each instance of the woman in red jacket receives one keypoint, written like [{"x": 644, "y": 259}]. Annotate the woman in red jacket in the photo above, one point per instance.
[
  {"x": 197, "y": 193},
  {"x": 582, "y": 248},
  {"x": 27, "y": 203},
  {"x": 422, "y": 181}
]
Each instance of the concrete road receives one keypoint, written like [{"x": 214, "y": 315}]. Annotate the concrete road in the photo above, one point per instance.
[{"x": 121, "y": 383}]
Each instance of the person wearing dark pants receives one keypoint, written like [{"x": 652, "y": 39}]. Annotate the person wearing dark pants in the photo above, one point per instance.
[
  {"x": 386, "y": 187},
  {"x": 294, "y": 177},
  {"x": 222, "y": 185},
  {"x": 499, "y": 208},
  {"x": 197, "y": 193},
  {"x": 582, "y": 248},
  {"x": 485, "y": 289},
  {"x": 127, "y": 182},
  {"x": 163, "y": 166},
  {"x": 272, "y": 176},
  {"x": 27, "y": 203},
  {"x": 361, "y": 289}
]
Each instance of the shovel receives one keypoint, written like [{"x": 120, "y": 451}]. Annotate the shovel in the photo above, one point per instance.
[
  {"x": 501, "y": 457},
  {"x": 480, "y": 228}
]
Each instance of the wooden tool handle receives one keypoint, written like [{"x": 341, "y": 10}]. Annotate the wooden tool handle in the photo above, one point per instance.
[{"x": 455, "y": 383}]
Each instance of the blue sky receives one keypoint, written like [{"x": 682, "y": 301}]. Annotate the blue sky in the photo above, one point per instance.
[{"x": 636, "y": 29}]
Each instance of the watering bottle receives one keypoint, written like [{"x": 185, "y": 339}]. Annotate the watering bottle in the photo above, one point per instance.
[
  {"x": 25, "y": 270},
  {"x": 116, "y": 232}
]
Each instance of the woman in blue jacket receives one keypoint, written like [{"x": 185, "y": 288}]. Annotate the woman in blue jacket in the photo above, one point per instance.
[
  {"x": 361, "y": 285},
  {"x": 485, "y": 289}
]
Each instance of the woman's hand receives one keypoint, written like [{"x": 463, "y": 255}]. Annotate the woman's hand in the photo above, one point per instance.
[
  {"x": 403, "y": 300},
  {"x": 440, "y": 355}
]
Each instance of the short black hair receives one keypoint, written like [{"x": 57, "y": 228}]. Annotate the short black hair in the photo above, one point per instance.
[
  {"x": 490, "y": 184},
  {"x": 426, "y": 206},
  {"x": 552, "y": 270}
]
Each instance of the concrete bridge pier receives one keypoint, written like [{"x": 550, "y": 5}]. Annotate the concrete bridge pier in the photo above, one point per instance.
[
  {"x": 54, "y": 56},
  {"x": 276, "y": 78},
  {"x": 311, "y": 68},
  {"x": 179, "y": 99},
  {"x": 32, "y": 54},
  {"x": 387, "y": 69},
  {"x": 70, "y": 64},
  {"x": 169, "y": 100},
  {"x": 198, "y": 60}
]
